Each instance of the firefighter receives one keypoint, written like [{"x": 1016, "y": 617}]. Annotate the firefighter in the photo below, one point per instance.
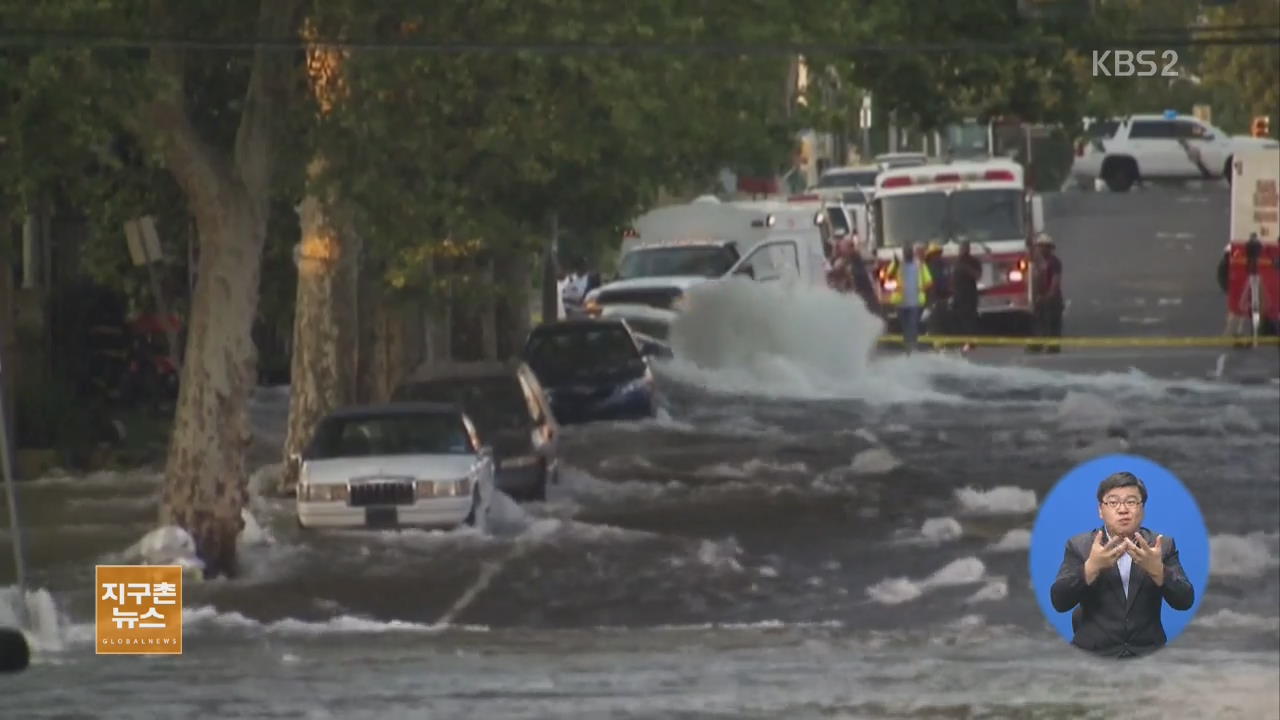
[
  {"x": 912, "y": 286},
  {"x": 1049, "y": 305},
  {"x": 1237, "y": 323},
  {"x": 939, "y": 317}
]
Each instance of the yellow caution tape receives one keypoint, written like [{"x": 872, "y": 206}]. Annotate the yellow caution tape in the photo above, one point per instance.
[{"x": 1205, "y": 341}]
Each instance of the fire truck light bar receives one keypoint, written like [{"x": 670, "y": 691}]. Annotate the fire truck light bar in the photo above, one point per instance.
[{"x": 947, "y": 177}]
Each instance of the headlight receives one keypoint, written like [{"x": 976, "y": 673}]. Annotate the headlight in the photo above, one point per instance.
[
  {"x": 522, "y": 461},
  {"x": 442, "y": 488},
  {"x": 1015, "y": 276},
  {"x": 681, "y": 302},
  {"x": 591, "y": 306},
  {"x": 308, "y": 492}
]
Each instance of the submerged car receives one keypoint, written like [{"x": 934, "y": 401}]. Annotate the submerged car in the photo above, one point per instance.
[
  {"x": 512, "y": 414},
  {"x": 394, "y": 465},
  {"x": 593, "y": 369}
]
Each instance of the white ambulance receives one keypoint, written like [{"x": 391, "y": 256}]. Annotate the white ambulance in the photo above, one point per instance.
[{"x": 672, "y": 249}]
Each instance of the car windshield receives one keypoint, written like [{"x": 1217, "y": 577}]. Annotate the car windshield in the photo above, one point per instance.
[
  {"x": 584, "y": 352},
  {"x": 399, "y": 433},
  {"x": 967, "y": 139},
  {"x": 976, "y": 215},
  {"x": 699, "y": 260},
  {"x": 849, "y": 178},
  {"x": 494, "y": 404}
]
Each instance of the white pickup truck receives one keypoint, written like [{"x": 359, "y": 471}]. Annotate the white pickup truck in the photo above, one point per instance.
[
  {"x": 672, "y": 249},
  {"x": 1168, "y": 146}
]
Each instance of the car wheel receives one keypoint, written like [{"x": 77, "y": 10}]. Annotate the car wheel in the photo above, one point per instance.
[{"x": 1120, "y": 175}]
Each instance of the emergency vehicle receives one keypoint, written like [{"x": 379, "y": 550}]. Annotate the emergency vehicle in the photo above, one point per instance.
[
  {"x": 985, "y": 202},
  {"x": 672, "y": 249},
  {"x": 1255, "y": 210}
]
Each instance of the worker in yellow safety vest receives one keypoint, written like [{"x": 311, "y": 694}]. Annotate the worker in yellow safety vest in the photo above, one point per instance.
[{"x": 911, "y": 283}]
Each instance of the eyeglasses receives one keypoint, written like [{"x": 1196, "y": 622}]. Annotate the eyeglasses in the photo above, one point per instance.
[{"x": 1127, "y": 502}]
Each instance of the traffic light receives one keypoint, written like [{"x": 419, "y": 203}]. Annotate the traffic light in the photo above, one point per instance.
[{"x": 1262, "y": 126}]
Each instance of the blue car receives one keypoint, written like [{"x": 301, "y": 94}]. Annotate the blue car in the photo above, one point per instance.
[{"x": 592, "y": 369}]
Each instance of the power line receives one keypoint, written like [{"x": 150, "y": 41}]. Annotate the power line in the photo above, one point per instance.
[{"x": 94, "y": 40}]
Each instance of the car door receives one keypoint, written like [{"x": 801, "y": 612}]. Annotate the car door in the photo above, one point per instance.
[
  {"x": 1156, "y": 150},
  {"x": 1199, "y": 157},
  {"x": 543, "y": 418},
  {"x": 769, "y": 261}
]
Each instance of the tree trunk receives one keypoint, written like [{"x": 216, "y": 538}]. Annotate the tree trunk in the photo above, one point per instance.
[
  {"x": 206, "y": 485},
  {"x": 324, "y": 333}
]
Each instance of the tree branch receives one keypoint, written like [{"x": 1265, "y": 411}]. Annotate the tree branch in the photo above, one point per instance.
[
  {"x": 269, "y": 90},
  {"x": 163, "y": 119}
]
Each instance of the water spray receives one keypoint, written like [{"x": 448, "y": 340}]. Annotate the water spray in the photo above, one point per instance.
[{"x": 11, "y": 496}]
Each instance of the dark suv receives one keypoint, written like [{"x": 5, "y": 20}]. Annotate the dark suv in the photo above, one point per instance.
[
  {"x": 594, "y": 369},
  {"x": 511, "y": 413}
]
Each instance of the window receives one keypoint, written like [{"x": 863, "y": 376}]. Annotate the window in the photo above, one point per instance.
[
  {"x": 1151, "y": 130},
  {"x": 584, "y": 352},
  {"x": 975, "y": 215},
  {"x": 857, "y": 178},
  {"x": 696, "y": 260},
  {"x": 495, "y": 403},
  {"x": 398, "y": 433}
]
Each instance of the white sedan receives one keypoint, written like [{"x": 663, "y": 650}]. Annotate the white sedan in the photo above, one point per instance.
[{"x": 395, "y": 465}]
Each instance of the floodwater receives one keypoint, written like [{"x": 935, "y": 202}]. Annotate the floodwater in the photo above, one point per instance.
[{"x": 804, "y": 532}]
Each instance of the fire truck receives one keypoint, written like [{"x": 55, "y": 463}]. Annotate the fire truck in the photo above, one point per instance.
[
  {"x": 1253, "y": 285},
  {"x": 985, "y": 202}
]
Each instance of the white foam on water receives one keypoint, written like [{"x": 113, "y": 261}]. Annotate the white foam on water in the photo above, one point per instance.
[
  {"x": 1231, "y": 420},
  {"x": 1132, "y": 382},
  {"x": 1245, "y": 556},
  {"x": 579, "y": 486},
  {"x": 207, "y": 616},
  {"x": 897, "y": 590},
  {"x": 1086, "y": 411},
  {"x": 755, "y": 467},
  {"x": 941, "y": 529},
  {"x": 995, "y": 590},
  {"x": 874, "y": 461},
  {"x": 1002, "y": 500},
  {"x": 1227, "y": 619},
  {"x": 1015, "y": 540}
]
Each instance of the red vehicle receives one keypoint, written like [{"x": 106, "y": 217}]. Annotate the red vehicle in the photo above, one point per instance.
[
  {"x": 984, "y": 202},
  {"x": 1253, "y": 286}
]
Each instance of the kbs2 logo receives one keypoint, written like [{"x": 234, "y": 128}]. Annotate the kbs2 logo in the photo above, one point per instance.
[
  {"x": 1127, "y": 63},
  {"x": 139, "y": 609}
]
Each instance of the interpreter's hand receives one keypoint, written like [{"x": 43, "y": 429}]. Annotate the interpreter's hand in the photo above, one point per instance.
[
  {"x": 1148, "y": 557},
  {"x": 1103, "y": 556}
]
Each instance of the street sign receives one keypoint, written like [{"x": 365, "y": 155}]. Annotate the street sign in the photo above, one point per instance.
[
  {"x": 144, "y": 242},
  {"x": 864, "y": 114}
]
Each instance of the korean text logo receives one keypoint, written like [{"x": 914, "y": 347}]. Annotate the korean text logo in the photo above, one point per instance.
[
  {"x": 1127, "y": 63},
  {"x": 139, "y": 609}
]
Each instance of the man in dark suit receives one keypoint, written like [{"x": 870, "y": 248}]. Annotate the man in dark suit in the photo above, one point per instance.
[{"x": 1117, "y": 576}]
